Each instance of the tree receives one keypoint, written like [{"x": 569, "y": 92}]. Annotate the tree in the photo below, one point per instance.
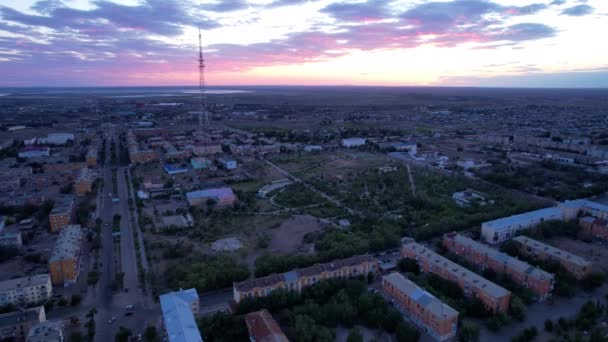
[
  {"x": 151, "y": 335},
  {"x": 517, "y": 308},
  {"x": 123, "y": 334},
  {"x": 76, "y": 299},
  {"x": 76, "y": 336},
  {"x": 407, "y": 265},
  {"x": 548, "y": 325},
  {"x": 406, "y": 333},
  {"x": 354, "y": 336},
  {"x": 468, "y": 332}
]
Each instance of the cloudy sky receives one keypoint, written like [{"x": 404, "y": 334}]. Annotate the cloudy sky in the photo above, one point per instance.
[{"x": 528, "y": 43}]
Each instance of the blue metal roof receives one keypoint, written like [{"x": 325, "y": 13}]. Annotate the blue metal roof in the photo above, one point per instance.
[{"x": 179, "y": 319}]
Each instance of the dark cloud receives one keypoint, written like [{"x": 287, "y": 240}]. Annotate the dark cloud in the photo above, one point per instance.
[
  {"x": 578, "y": 10},
  {"x": 163, "y": 17},
  {"x": 525, "y": 31},
  {"x": 359, "y": 11},
  {"x": 557, "y": 2},
  {"x": 225, "y": 6}
]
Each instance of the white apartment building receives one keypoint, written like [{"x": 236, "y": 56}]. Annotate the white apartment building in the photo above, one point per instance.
[
  {"x": 26, "y": 290},
  {"x": 353, "y": 142},
  {"x": 505, "y": 228}
]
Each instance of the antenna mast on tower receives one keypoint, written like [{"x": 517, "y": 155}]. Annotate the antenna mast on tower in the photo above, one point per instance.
[{"x": 202, "y": 110}]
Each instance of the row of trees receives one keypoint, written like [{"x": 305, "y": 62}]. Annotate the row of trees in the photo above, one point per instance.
[
  {"x": 313, "y": 315},
  {"x": 206, "y": 272}
]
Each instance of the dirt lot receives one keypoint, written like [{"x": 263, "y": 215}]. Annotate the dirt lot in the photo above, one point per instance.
[
  {"x": 288, "y": 237},
  {"x": 596, "y": 253}
]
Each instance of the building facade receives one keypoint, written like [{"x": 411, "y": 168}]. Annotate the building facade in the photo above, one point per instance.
[
  {"x": 15, "y": 325},
  {"x": 485, "y": 257},
  {"x": 573, "y": 264},
  {"x": 432, "y": 315},
  {"x": 64, "y": 262},
  {"x": 495, "y": 298},
  {"x": 26, "y": 290},
  {"x": 61, "y": 214},
  {"x": 46, "y": 331},
  {"x": 222, "y": 196},
  {"x": 296, "y": 280},
  {"x": 503, "y": 229}
]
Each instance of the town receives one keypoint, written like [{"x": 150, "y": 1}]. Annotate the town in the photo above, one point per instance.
[{"x": 303, "y": 214}]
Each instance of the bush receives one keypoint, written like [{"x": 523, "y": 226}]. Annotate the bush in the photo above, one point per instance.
[
  {"x": 407, "y": 265},
  {"x": 76, "y": 299},
  {"x": 468, "y": 332},
  {"x": 548, "y": 325},
  {"x": 354, "y": 336},
  {"x": 406, "y": 333}
]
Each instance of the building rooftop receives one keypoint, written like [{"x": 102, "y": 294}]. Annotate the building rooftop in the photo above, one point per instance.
[
  {"x": 27, "y": 315},
  {"x": 433, "y": 305},
  {"x": 294, "y": 275},
  {"x": 179, "y": 319},
  {"x": 470, "y": 278},
  {"x": 35, "y": 280},
  {"x": 214, "y": 192},
  {"x": 536, "y": 215},
  {"x": 494, "y": 254},
  {"x": 554, "y": 252},
  {"x": 263, "y": 328},
  {"x": 63, "y": 205},
  {"x": 68, "y": 243},
  {"x": 46, "y": 331}
]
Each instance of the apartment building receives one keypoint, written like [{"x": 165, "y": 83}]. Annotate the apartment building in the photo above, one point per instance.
[
  {"x": 65, "y": 260},
  {"x": 485, "y": 257},
  {"x": 494, "y": 297},
  {"x": 180, "y": 310},
  {"x": 61, "y": 214},
  {"x": 15, "y": 325},
  {"x": 573, "y": 264},
  {"x": 91, "y": 157},
  {"x": 505, "y": 228},
  {"x": 84, "y": 182},
  {"x": 223, "y": 197},
  {"x": 296, "y": 280},
  {"x": 594, "y": 227},
  {"x": 26, "y": 290},
  {"x": 432, "y": 315},
  {"x": 263, "y": 328}
]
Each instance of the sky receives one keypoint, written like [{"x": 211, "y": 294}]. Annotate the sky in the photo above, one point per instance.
[{"x": 486, "y": 43}]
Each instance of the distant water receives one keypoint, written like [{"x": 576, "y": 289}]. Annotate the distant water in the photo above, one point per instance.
[{"x": 117, "y": 92}]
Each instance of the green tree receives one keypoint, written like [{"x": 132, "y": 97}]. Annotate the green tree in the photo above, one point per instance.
[
  {"x": 406, "y": 333},
  {"x": 468, "y": 332},
  {"x": 123, "y": 334},
  {"x": 150, "y": 334},
  {"x": 354, "y": 336}
]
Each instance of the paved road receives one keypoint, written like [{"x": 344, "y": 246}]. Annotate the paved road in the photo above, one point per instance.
[{"x": 112, "y": 304}]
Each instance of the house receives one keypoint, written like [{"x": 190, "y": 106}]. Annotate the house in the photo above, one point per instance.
[
  {"x": 174, "y": 170},
  {"x": 263, "y": 328},
  {"x": 200, "y": 163},
  {"x": 34, "y": 151},
  {"x": 222, "y": 196},
  {"x": 12, "y": 240},
  {"x": 436, "y": 318},
  {"x": 313, "y": 148},
  {"x": 180, "y": 310},
  {"x": 227, "y": 163},
  {"x": 353, "y": 142},
  {"x": 467, "y": 197}
]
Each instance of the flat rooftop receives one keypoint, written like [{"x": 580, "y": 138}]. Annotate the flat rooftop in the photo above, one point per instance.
[
  {"x": 178, "y": 317},
  {"x": 470, "y": 278},
  {"x": 23, "y": 282},
  {"x": 433, "y": 305},
  {"x": 68, "y": 243},
  {"x": 553, "y": 251},
  {"x": 552, "y": 213}
]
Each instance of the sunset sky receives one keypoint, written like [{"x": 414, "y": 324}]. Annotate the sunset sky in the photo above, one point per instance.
[{"x": 514, "y": 43}]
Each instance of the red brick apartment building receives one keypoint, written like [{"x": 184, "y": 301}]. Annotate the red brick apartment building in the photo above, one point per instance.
[
  {"x": 296, "y": 280},
  {"x": 429, "y": 313},
  {"x": 573, "y": 264},
  {"x": 61, "y": 214},
  {"x": 263, "y": 328},
  {"x": 494, "y": 297},
  {"x": 594, "y": 227},
  {"x": 485, "y": 257}
]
